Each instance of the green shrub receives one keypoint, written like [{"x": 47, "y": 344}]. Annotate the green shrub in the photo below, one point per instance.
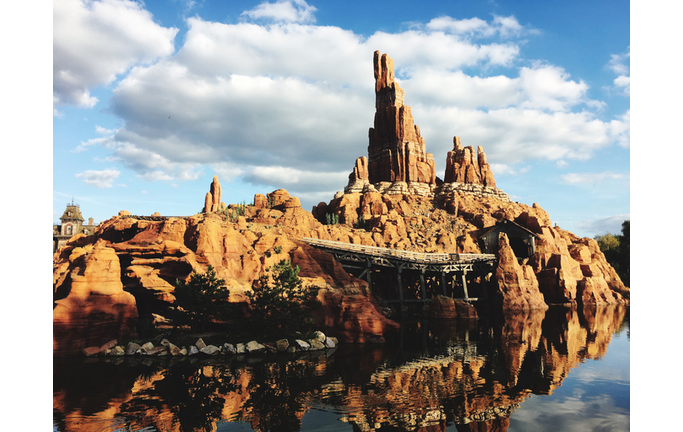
[
  {"x": 200, "y": 300},
  {"x": 285, "y": 305}
]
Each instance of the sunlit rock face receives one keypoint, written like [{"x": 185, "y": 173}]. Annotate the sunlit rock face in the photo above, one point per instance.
[
  {"x": 396, "y": 151},
  {"x": 145, "y": 255},
  {"x": 392, "y": 201},
  {"x": 93, "y": 307},
  {"x": 517, "y": 287}
]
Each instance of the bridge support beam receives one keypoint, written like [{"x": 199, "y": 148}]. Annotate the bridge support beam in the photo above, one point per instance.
[
  {"x": 464, "y": 284},
  {"x": 422, "y": 285},
  {"x": 400, "y": 285}
]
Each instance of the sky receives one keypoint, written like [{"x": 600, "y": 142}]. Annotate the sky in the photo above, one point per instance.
[{"x": 151, "y": 100}]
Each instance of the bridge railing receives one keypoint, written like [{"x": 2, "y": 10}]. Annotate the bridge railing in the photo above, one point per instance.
[{"x": 396, "y": 253}]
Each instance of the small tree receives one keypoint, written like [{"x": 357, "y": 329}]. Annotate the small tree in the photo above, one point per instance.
[
  {"x": 285, "y": 305},
  {"x": 200, "y": 300}
]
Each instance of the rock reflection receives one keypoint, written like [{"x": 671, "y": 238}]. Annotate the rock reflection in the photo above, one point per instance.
[{"x": 473, "y": 374}]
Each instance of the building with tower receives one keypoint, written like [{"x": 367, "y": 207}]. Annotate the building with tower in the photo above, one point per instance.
[{"x": 72, "y": 224}]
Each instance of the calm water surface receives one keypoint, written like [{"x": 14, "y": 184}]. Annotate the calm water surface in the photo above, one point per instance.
[{"x": 559, "y": 370}]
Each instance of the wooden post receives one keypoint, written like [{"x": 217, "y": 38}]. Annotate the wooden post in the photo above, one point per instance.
[
  {"x": 400, "y": 285},
  {"x": 369, "y": 270},
  {"x": 464, "y": 284}
]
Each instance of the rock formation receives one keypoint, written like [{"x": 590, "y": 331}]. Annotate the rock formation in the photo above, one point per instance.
[
  {"x": 391, "y": 201},
  {"x": 396, "y": 151},
  {"x": 463, "y": 165},
  {"x": 144, "y": 256},
  {"x": 212, "y": 202},
  {"x": 91, "y": 299}
]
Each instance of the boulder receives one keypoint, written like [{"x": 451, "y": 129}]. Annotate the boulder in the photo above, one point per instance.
[
  {"x": 316, "y": 345},
  {"x": 91, "y": 351},
  {"x": 282, "y": 345},
  {"x": 301, "y": 345},
  {"x": 173, "y": 350},
  {"x": 133, "y": 348},
  {"x": 210, "y": 350},
  {"x": 254, "y": 347}
]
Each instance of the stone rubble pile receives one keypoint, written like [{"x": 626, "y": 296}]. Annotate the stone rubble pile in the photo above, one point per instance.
[
  {"x": 478, "y": 190},
  {"x": 111, "y": 348}
]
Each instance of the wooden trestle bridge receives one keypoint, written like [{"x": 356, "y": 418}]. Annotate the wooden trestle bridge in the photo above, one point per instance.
[{"x": 439, "y": 273}]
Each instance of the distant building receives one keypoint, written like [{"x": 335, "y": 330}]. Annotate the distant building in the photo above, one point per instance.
[
  {"x": 72, "y": 224},
  {"x": 522, "y": 240}
]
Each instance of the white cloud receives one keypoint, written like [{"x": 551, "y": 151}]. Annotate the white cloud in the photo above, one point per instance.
[
  {"x": 505, "y": 27},
  {"x": 289, "y": 104},
  {"x": 617, "y": 64},
  {"x": 592, "y": 178},
  {"x": 288, "y": 11},
  {"x": 94, "y": 41},
  {"x": 611, "y": 224},
  {"x": 100, "y": 179}
]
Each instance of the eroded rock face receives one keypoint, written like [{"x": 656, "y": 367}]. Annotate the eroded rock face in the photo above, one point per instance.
[
  {"x": 517, "y": 287},
  {"x": 143, "y": 258},
  {"x": 464, "y": 165},
  {"x": 91, "y": 306},
  {"x": 397, "y": 150}
]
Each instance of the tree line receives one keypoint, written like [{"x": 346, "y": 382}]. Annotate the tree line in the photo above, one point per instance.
[{"x": 617, "y": 250}]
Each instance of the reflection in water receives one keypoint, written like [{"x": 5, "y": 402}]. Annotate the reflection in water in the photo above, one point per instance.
[{"x": 464, "y": 376}]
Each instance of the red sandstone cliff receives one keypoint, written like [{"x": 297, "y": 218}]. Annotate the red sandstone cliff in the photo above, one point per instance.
[
  {"x": 391, "y": 201},
  {"x": 397, "y": 150}
]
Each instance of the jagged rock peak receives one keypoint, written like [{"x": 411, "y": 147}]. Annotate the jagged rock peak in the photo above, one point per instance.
[
  {"x": 396, "y": 150},
  {"x": 464, "y": 165}
]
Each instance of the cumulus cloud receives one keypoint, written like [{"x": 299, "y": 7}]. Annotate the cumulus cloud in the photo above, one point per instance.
[
  {"x": 592, "y": 178},
  {"x": 100, "y": 179},
  {"x": 290, "y": 103},
  {"x": 618, "y": 64},
  {"x": 288, "y": 11},
  {"x": 505, "y": 27},
  {"x": 94, "y": 41}
]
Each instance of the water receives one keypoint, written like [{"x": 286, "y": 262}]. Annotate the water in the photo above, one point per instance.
[{"x": 560, "y": 370}]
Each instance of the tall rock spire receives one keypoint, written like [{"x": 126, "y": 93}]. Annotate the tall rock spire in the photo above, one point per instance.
[{"x": 396, "y": 151}]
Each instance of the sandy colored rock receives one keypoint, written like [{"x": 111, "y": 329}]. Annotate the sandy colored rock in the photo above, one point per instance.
[
  {"x": 517, "y": 287},
  {"x": 94, "y": 288},
  {"x": 396, "y": 151}
]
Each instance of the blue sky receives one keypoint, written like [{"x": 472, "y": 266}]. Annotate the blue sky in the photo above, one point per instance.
[{"x": 151, "y": 100}]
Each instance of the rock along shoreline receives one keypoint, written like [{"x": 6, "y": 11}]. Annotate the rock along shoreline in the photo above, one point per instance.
[{"x": 319, "y": 342}]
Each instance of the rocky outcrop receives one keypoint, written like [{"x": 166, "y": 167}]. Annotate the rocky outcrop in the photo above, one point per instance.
[
  {"x": 396, "y": 151},
  {"x": 92, "y": 306},
  {"x": 212, "y": 202},
  {"x": 464, "y": 165},
  {"x": 149, "y": 254},
  {"x": 517, "y": 286}
]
